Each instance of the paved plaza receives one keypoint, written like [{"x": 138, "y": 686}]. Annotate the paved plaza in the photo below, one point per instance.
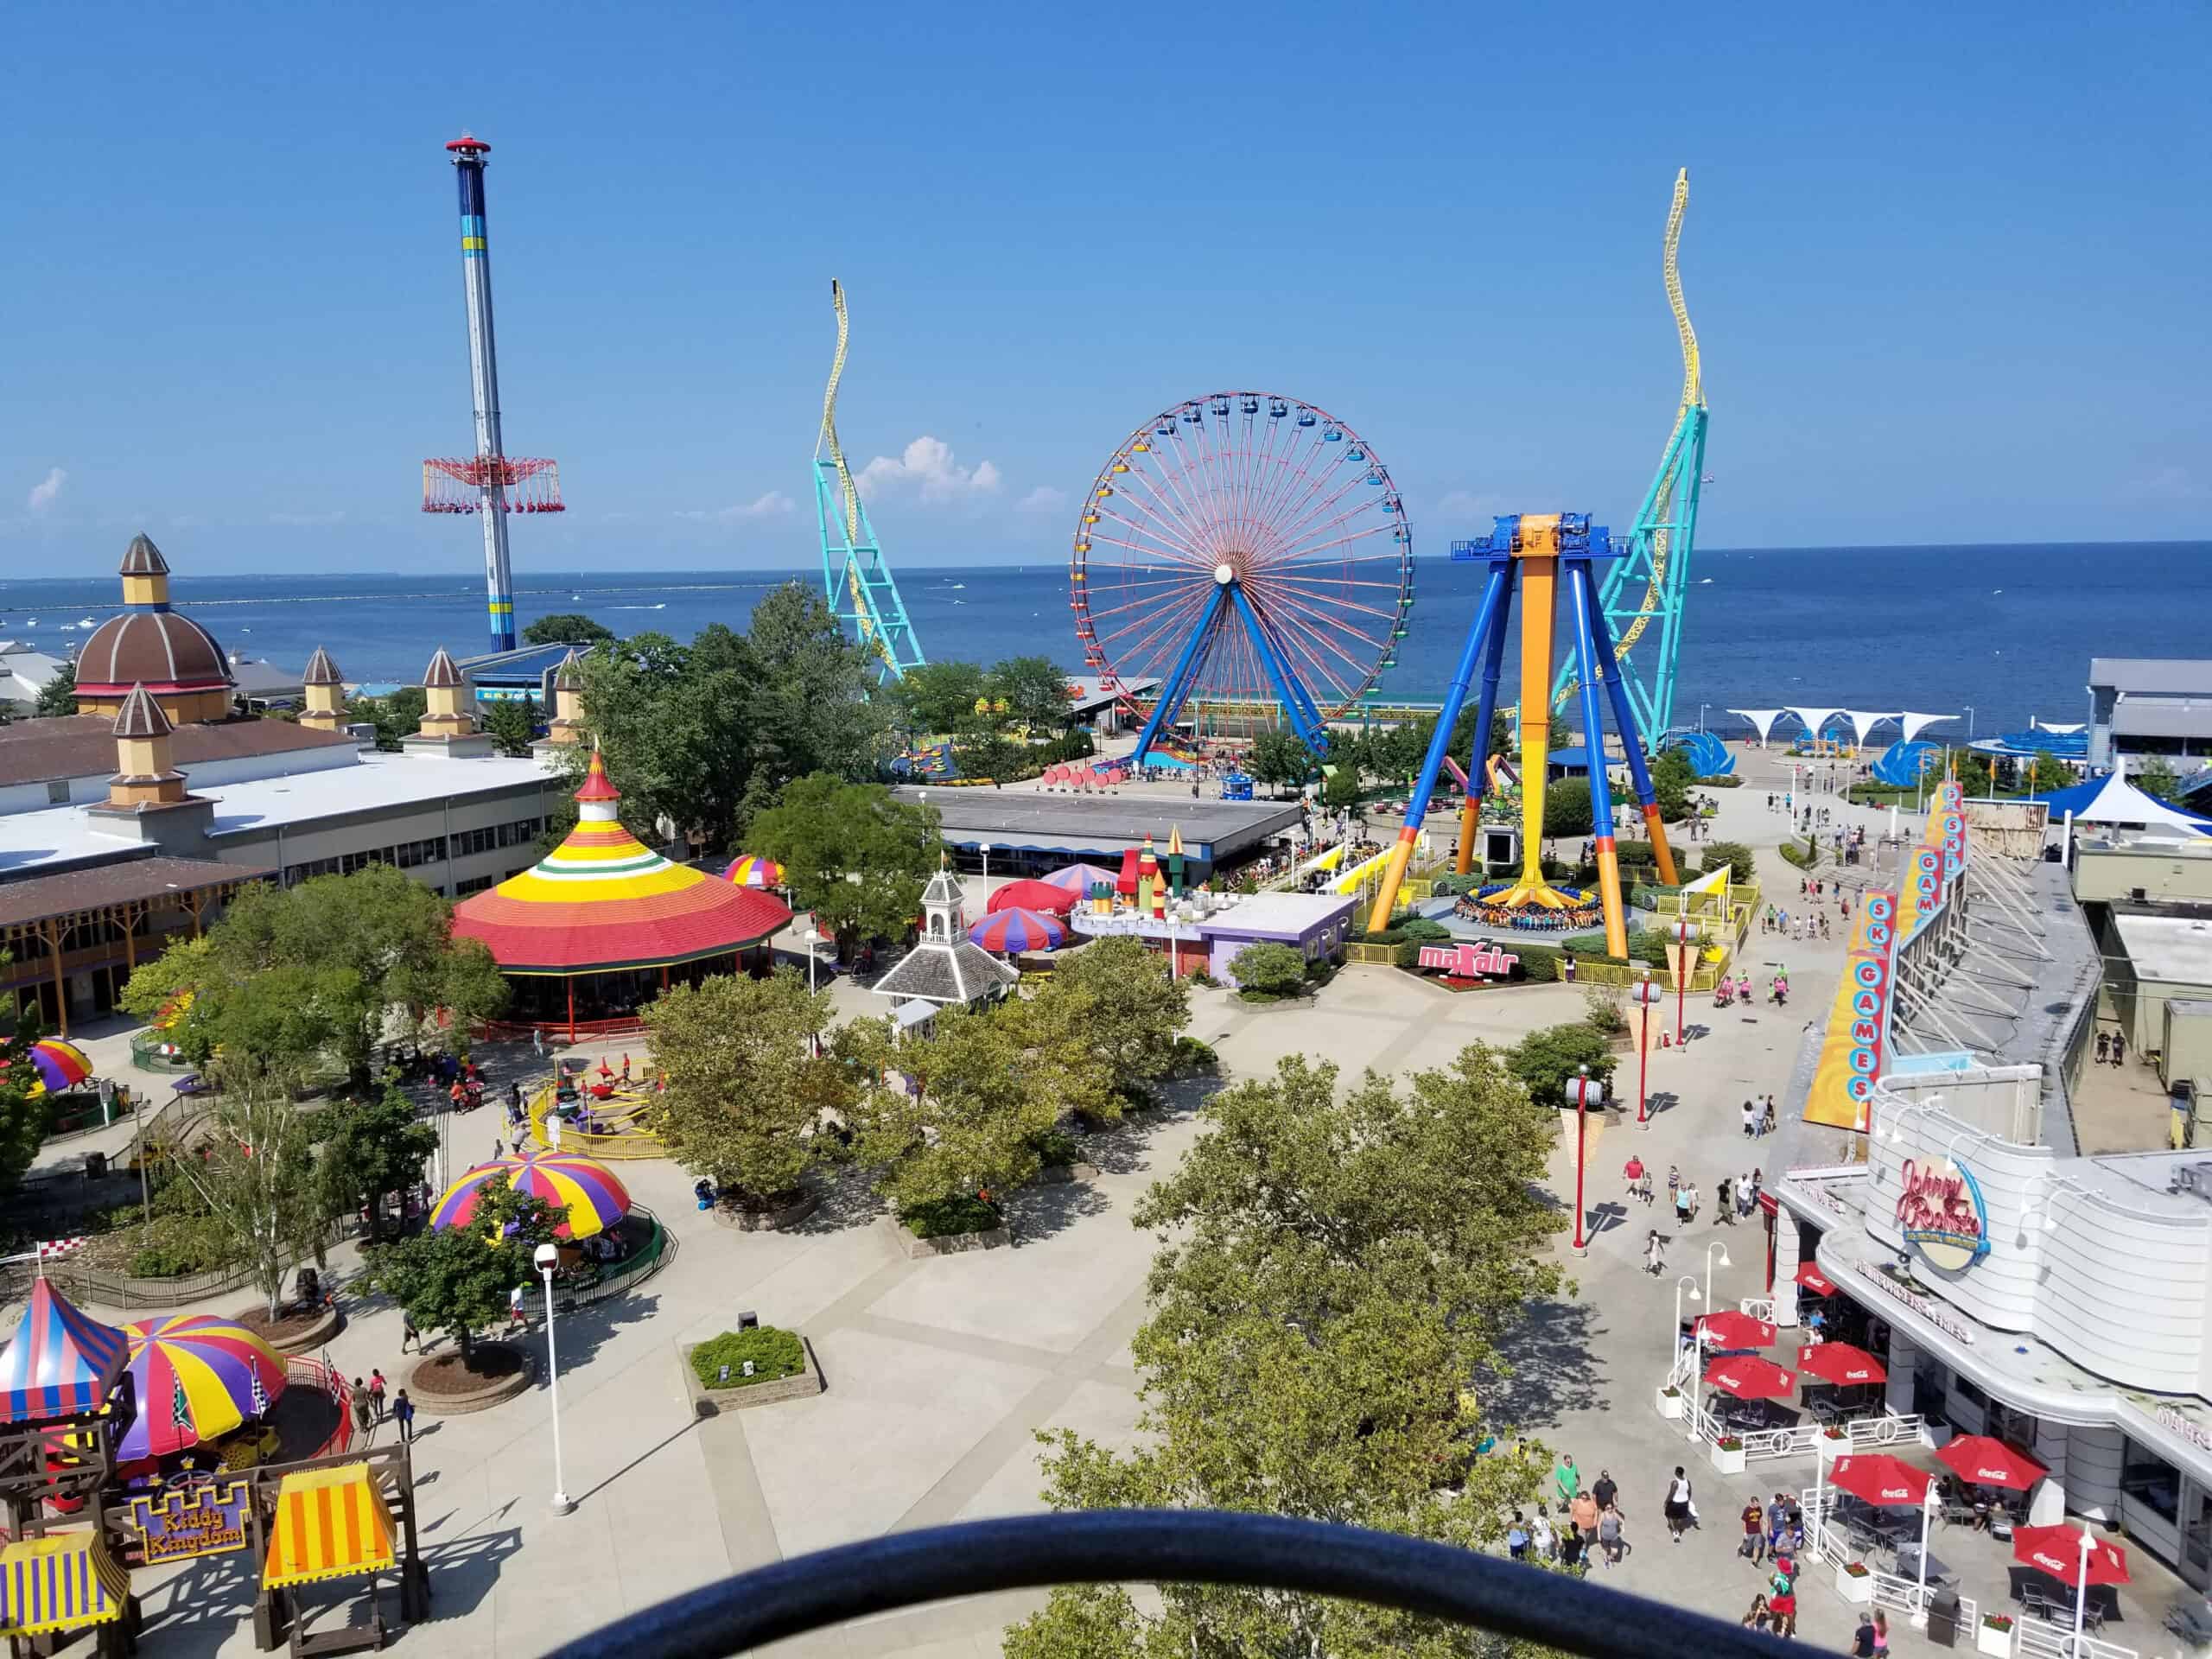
[{"x": 940, "y": 1371}]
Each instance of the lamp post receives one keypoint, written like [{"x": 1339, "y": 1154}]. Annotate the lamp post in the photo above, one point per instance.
[
  {"x": 984, "y": 848},
  {"x": 548, "y": 1257},
  {"x": 2081, "y": 1589},
  {"x": 1701, "y": 708},
  {"x": 1709, "y": 1249},
  {"x": 1579, "y": 1086},
  {"x": 1697, "y": 1348},
  {"x": 1646, "y": 997},
  {"x": 813, "y": 942},
  {"x": 1969, "y": 723},
  {"x": 1686, "y": 936}
]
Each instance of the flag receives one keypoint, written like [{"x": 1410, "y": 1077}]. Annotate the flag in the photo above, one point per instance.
[
  {"x": 50, "y": 1248},
  {"x": 260, "y": 1397},
  {"x": 180, "y": 1410}
]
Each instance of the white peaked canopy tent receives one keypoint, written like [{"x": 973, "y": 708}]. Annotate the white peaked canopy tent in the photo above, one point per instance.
[
  {"x": 1913, "y": 725},
  {"x": 2113, "y": 799},
  {"x": 1815, "y": 719},
  {"x": 1764, "y": 719},
  {"x": 1864, "y": 720}
]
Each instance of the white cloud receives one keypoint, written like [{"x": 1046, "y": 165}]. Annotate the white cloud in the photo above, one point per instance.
[
  {"x": 307, "y": 520},
  {"x": 774, "y": 505},
  {"x": 44, "y": 494},
  {"x": 927, "y": 463},
  {"x": 1042, "y": 499}
]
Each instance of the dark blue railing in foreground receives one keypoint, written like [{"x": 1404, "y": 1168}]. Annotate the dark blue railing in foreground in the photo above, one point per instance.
[{"x": 1169, "y": 1546}]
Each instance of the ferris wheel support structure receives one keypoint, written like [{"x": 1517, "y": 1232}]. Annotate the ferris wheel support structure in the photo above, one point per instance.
[
  {"x": 1651, "y": 584},
  {"x": 856, "y": 580}
]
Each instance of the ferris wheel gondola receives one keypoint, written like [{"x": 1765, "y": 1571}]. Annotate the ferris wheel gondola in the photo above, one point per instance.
[{"x": 1244, "y": 556}]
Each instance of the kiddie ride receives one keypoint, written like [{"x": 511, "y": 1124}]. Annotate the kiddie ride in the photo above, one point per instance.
[{"x": 1536, "y": 549}]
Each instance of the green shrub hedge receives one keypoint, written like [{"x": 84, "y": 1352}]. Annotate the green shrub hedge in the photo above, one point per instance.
[
  {"x": 1805, "y": 857},
  {"x": 1191, "y": 1055},
  {"x": 774, "y": 1353},
  {"x": 1056, "y": 1147},
  {"x": 942, "y": 1217}
]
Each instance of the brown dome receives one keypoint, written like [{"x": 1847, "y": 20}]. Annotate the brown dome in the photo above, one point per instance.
[{"x": 162, "y": 650}]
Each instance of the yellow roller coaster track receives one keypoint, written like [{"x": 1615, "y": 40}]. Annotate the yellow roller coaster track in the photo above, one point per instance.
[
  {"x": 1693, "y": 392},
  {"x": 848, "y": 496}
]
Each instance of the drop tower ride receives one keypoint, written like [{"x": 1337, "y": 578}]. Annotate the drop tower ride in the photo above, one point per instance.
[{"x": 491, "y": 484}]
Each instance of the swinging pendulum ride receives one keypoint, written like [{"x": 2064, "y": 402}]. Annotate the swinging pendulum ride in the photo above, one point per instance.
[{"x": 1536, "y": 550}]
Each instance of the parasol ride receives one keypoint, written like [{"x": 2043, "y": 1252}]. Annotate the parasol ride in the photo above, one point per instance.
[
  {"x": 198, "y": 1376},
  {"x": 1046, "y": 896},
  {"x": 593, "y": 1194},
  {"x": 1840, "y": 1363},
  {"x": 1986, "y": 1462},
  {"x": 605, "y": 915},
  {"x": 57, "y": 1066},
  {"x": 63, "y": 1363},
  {"x": 1009, "y": 932},
  {"x": 755, "y": 870},
  {"x": 1080, "y": 879}
]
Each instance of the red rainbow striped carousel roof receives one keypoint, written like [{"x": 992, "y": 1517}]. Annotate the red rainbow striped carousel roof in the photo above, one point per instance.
[{"x": 603, "y": 900}]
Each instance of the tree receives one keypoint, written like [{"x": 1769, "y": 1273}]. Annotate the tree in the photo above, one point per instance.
[
  {"x": 854, "y": 855},
  {"x": 293, "y": 978},
  {"x": 395, "y": 716},
  {"x": 1341, "y": 792},
  {"x": 2156, "y": 777},
  {"x": 24, "y": 1114},
  {"x": 1035, "y": 690},
  {"x": 808, "y": 710},
  {"x": 1743, "y": 864},
  {"x": 566, "y": 628},
  {"x": 974, "y": 1097},
  {"x": 1543, "y": 1060},
  {"x": 1974, "y": 775},
  {"x": 1280, "y": 759},
  {"x": 255, "y": 1171},
  {"x": 456, "y": 1280},
  {"x": 513, "y": 724},
  {"x": 1268, "y": 970},
  {"x": 748, "y": 1084},
  {"x": 1399, "y": 752},
  {"x": 372, "y": 1147},
  {"x": 1672, "y": 774},
  {"x": 2048, "y": 772},
  {"x": 992, "y": 755},
  {"x": 1114, "y": 1005},
  {"x": 58, "y": 696},
  {"x": 1567, "y": 807},
  {"x": 939, "y": 698},
  {"x": 1334, "y": 1276}
]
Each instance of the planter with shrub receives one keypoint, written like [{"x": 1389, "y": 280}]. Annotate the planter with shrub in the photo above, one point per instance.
[
  {"x": 1728, "y": 1454},
  {"x": 1670, "y": 1404},
  {"x": 1994, "y": 1636},
  {"x": 1854, "y": 1582},
  {"x": 756, "y": 1367},
  {"x": 949, "y": 1226}
]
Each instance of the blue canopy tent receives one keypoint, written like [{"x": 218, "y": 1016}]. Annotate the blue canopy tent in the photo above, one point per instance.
[{"x": 2113, "y": 799}]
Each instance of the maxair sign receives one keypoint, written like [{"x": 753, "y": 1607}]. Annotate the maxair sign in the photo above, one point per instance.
[{"x": 1858, "y": 1019}]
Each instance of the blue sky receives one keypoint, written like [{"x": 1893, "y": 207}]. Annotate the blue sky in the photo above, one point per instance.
[{"x": 1948, "y": 264}]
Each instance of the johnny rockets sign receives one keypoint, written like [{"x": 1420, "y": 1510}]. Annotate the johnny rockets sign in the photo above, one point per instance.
[
  {"x": 1469, "y": 961},
  {"x": 1941, "y": 1210}
]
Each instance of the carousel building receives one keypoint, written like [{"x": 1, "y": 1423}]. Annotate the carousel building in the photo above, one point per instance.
[{"x": 603, "y": 924}]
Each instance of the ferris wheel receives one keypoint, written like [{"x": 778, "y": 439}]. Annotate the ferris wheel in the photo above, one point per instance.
[{"x": 1239, "y": 554}]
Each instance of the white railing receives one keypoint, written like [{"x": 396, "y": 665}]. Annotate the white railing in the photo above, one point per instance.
[
  {"x": 1803, "y": 1439},
  {"x": 1888, "y": 1429},
  {"x": 1911, "y": 1596},
  {"x": 2033, "y": 1638},
  {"x": 1796, "y": 1442},
  {"x": 1759, "y": 1307}
]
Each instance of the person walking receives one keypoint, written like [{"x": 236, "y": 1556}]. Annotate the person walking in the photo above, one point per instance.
[
  {"x": 402, "y": 1413},
  {"x": 1566, "y": 1480},
  {"x": 1583, "y": 1511},
  {"x": 1750, "y": 1119},
  {"x": 2104, "y": 1046},
  {"x": 1610, "y": 1545},
  {"x": 409, "y": 1336},
  {"x": 1516, "y": 1538},
  {"x": 1655, "y": 1262},
  {"x": 1632, "y": 1172},
  {"x": 1754, "y": 1544},
  {"x": 1783, "y": 1606},
  {"x": 1678, "y": 1505},
  {"x": 1540, "y": 1539},
  {"x": 1606, "y": 1491},
  {"x": 2118, "y": 1047},
  {"x": 1724, "y": 1213},
  {"x": 376, "y": 1391},
  {"x": 364, "y": 1414}
]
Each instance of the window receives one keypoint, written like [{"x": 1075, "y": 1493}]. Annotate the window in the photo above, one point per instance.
[
  {"x": 2149, "y": 1480},
  {"x": 474, "y": 884},
  {"x": 57, "y": 792}
]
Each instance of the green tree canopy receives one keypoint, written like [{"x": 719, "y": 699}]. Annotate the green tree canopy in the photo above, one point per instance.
[
  {"x": 1743, "y": 864},
  {"x": 853, "y": 854},
  {"x": 1035, "y": 690},
  {"x": 1341, "y": 1270},
  {"x": 1567, "y": 807},
  {"x": 980, "y": 1092},
  {"x": 292, "y": 979},
  {"x": 255, "y": 1170},
  {"x": 747, "y": 1091},
  {"x": 395, "y": 716},
  {"x": 455, "y": 1279},
  {"x": 58, "y": 696},
  {"x": 1268, "y": 971},
  {"x": 939, "y": 698},
  {"x": 2155, "y": 776},
  {"x": 1543, "y": 1060},
  {"x": 1278, "y": 759},
  {"x": 1114, "y": 1004},
  {"x": 373, "y": 1146},
  {"x": 566, "y": 627},
  {"x": 22, "y": 1113},
  {"x": 512, "y": 722}
]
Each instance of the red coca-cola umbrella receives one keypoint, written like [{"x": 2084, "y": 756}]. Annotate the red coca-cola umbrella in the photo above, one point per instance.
[
  {"x": 1729, "y": 1329},
  {"x": 2057, "y": 1551},
  {"x": 1814, "y": 1281},
  {"x": 1881, "y": 1479},
  {"x": 1989, "y": 1462},
  {"x": 1838, "y": 1362},
  {"x": 1749, "y": 1377}
]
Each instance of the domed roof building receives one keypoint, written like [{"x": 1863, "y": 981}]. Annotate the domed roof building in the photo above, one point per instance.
[{"x": 178, "y": 661}]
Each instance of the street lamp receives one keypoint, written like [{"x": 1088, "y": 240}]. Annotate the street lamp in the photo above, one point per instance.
[
  {"x": 813, "y": 939},
  {"x": 548, "y": 1257},
  {"x": 1697, "y": 1347},
  {"x": 1709, "y": 1249},
  {"x": 1969, "y": 723},
  {"x": 984, "y": 848},
  {"x": 1646, "y": 997},
  {"x": 1580, "y": 1087},
  {"x": 1701, "y": 708}
]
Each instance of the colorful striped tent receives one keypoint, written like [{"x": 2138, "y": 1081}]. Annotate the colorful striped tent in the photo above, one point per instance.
[
  {"x": 1011, "y": 931},
  {"x": 64, "y": 1581},
  {"x": 753, "y": 870},
  {"x": 62, "y": 1362},
  {"x": 603, "y": 902},
  {"x": 198, "y": 1376},
  {"x": 1048, "y": 897},
  {"x": 1080, "y": 879},
  {"x": 331, "y": 1523},
  {"x": 592, "y": 1194}
]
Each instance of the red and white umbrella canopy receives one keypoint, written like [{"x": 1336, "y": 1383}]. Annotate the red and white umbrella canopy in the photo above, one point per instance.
[
  {"x": 1749, "y": 1377},
  {"x": 2057, "y": 1551},
  {"x": 1814, "y": 1281},
  {"x": 1838, "y": 1362},
  {"x": 1729, "y": 1329},
  {"x": 1882, "y": 1479},
  {"x": 1989, "y": 1462}
]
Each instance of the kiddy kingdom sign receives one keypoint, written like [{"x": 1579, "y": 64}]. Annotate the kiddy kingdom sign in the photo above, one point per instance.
[
  {"x": 1941, "y": 1212},
  {"x": 1469, "y": 961}
]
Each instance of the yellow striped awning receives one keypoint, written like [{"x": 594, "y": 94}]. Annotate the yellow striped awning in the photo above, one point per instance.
[
  {"x": 64, "y": 1581},
  {"x": 331, "y": 1523}
]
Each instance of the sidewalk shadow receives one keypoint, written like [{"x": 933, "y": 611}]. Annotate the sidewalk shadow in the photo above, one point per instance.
[
  {"x": 464, "y": 1570},
  {"x": 848, "y": 1200},
  {"x": 1656, "y": 1101},
  {"x": 1555, "y": 1369},
  {"x": 1037, "y": 1213}
]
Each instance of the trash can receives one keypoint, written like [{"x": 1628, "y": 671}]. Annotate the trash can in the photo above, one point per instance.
[
  {"x": 308, "y": 1287},
  {"x": 1943, "y": 1618},
  {"x": 95, "y": 1166}
]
